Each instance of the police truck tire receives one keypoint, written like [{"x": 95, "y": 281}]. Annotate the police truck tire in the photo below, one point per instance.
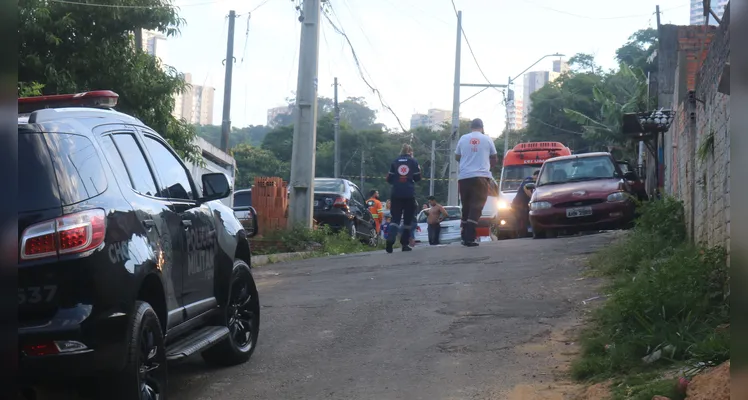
[
  {"x": 351, "y": 229},
  {"x": 145, "y": 368},
  {"x": 242, "y": 317}
]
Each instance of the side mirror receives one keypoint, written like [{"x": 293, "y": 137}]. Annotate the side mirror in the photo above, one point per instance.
[
  {"x": 215, "y": 186},
  {"x": 530, "y": 186},
  {"x": 253, "y": 228},
  {"x": 630, "y": 176}
]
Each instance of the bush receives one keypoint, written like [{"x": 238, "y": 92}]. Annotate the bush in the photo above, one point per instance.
[
  {"x": 665, "y": 294},
  {"x": 321, "y": 241}
]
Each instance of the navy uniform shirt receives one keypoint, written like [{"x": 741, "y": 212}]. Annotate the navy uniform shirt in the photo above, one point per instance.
[
  {"x": 521, "y": 199},
  {"x": 404, "y": 173}
]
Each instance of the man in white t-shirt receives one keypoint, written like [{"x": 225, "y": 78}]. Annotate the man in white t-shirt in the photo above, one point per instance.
[{"x": 476, "y": 154}]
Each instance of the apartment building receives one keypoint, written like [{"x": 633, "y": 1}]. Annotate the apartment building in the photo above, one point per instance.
[
  {"x": 195, "y": 104},
  {"x": 534, "y": 81},
  {"x": 515, "y": 110},
  {"x": 433, "y": 119},
  {"x": 697, "y": 11}
]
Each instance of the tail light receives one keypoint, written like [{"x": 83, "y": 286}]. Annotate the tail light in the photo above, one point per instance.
[
  {"x": 340, "y": 202},
  {"x": 73, "y": 233}
]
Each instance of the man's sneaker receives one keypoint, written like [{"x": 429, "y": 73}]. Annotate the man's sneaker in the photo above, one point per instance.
[
  {"x": 388, "y": 246},
  {"x": 470, "y": 244},
  {"x": 407, "y": 248}
]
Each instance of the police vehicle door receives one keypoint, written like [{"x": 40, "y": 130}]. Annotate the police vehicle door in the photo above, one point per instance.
[
  {"x": 197, "y": 227},
  {"x": 150, "y": 216}
]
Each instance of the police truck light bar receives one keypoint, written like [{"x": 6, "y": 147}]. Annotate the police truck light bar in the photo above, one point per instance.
[{"x": 96, "y": 99}]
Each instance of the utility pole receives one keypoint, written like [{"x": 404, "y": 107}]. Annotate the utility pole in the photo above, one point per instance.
[
  {"x": 305, "y": 120},
  {"x": 138, "y": 36},
  {"x": 509, "y": 100},
  {"x": 226, "y": 122},
  {"x": 433, "y": 167},
  {"x": 452, "y": 197},
  {"x": 337, "y": 131},
  {"x": 362, "y": 171}
]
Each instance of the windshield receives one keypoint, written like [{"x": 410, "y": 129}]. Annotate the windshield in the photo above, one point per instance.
[
  {"x": 329, "y": 185},
  {"x": 243, "y": 199},
  {"x": 512, "y": 176},
  {"x": 577, "y": 169}
]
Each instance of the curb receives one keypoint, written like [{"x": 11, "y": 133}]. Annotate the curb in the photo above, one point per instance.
[{"x": 266, "y": 259}]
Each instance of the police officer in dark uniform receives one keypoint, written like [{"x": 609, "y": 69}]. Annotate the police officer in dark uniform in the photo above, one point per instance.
[{"x": 404, "y": 173}]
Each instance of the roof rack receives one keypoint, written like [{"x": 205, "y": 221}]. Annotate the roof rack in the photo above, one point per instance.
[{"x": 105, "y": 99}]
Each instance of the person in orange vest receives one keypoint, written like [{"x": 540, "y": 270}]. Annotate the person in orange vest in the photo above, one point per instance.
[{"x": 376, "y": 209}]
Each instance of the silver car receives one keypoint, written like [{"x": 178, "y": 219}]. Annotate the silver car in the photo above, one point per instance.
[{"x": 450, "y": 231}]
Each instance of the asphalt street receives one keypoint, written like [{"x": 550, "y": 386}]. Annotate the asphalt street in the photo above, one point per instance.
[{"x": 435, "y": 323}]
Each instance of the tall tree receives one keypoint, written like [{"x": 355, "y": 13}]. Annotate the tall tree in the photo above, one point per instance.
[
  {"x": 71, "y": 48},
  {"x": 638, "y": 50}
]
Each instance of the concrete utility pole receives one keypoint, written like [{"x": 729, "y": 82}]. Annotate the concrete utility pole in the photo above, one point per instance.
[
  {"x": 362, "y": 171},
  {"x": 337, "y": 131},
  {"x": 226, "y": 122},
  {"x": 452, "y": 197},
  {"x": 433, "y": 167},
  {"x": 305, "y": 120},
  {"x": 138, "y": 36},
  {"x": 509, "y": 101}
]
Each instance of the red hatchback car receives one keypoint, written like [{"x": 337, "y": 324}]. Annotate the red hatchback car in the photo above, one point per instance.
[{"x": 580, "y": 192}]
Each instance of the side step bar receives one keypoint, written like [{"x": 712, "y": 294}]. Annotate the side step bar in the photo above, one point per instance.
[{"x": 196, "y": 342}]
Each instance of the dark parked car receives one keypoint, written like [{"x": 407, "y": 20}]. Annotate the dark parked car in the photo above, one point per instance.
[
  {"x": 580, "y": 193},
  {"x": 339, "y": 204},
  {"x": 637, "y": 184},
  {"x": 243, "y": 209},
  {"x": 124, "y": 262}
]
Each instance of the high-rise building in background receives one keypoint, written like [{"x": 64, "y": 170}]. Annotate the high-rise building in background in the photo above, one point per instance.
[
  {"x": 154, "y": 43},
  {"x": 697, "y": 11},
  {"x": 195, "y": 104},
  {"x": 560, "y": 66},
  {"x": 516, "y": 114},
  {"x": 434, "y": 119},
  {"x": 534, "y": 81},
  {"x": 273, "y": 113}
]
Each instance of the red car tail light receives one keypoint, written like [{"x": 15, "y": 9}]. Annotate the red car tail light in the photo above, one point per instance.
[
  {"x": 340, "y": 202},
  {"x": 73, "y": 233}
]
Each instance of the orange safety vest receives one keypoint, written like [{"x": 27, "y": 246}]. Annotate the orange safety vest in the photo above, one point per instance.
[{"x": 376, "y": 210}]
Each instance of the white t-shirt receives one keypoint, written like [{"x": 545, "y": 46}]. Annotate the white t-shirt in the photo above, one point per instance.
[{"x": 475, "y": 150}]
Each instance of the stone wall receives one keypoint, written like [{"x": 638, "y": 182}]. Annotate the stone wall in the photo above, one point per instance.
[{"x": 703, "y": 116}]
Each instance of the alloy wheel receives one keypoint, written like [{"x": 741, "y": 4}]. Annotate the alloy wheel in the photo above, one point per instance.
[
  {"x": 242, "y": 311},
  {"x": 151, "y": 369}
]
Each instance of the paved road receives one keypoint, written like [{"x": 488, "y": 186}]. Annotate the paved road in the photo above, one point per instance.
[{"x": 436, "y": 323}]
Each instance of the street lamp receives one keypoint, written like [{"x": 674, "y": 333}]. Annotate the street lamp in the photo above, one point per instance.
[{"x": 510, "y": 95}]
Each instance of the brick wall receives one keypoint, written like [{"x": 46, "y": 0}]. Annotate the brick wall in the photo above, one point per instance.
[{"x": 702, "y": 185}]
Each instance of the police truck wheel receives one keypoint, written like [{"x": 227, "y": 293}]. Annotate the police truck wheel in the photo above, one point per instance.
[
  {"x": 242, "y": 317},
  {"x": 145, "y": 376}
]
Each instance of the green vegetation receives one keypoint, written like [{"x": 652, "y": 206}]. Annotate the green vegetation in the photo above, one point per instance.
[
  {"x": 668, "y": 300},
  {"x": 70, "y": 48},
  {"x": 319, "y": 242}
]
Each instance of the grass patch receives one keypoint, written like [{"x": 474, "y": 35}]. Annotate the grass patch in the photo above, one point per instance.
[
  {"x": 320, "y": 242},
  {"x": 645, "y": 387},
  {"x": 667, "y": 296}
]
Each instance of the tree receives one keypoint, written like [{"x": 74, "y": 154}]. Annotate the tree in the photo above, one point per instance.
[
  {"x": 253, "y": 161},
  {"x": 71, "y": 48},
  {"x": 620, "y": 93},
  {"x": 253, "y": 134},
  {"x": 637, "y": 51},
  {"x": 583, "y": 62}
]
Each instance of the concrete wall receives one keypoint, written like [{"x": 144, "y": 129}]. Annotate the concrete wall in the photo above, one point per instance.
[{"x": 702, "y": 184}]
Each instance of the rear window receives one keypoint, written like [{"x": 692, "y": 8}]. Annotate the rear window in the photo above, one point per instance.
[
  {"x": 63, "y": 170},
  {"x": 329, "y": 185},
  {"x": 243, "y": 199}
]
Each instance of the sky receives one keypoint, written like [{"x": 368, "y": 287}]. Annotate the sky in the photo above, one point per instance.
[{"x": 406, "y": 48}]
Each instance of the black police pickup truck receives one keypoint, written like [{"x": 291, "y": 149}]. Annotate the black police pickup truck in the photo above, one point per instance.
[{"x": 125, "y": 263}]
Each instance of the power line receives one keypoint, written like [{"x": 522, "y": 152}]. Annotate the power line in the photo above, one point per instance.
[
  {"x": 360, "y": 69},
  {"x": 169, "y": 6},
  {"x": 594, "y": 17}
]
